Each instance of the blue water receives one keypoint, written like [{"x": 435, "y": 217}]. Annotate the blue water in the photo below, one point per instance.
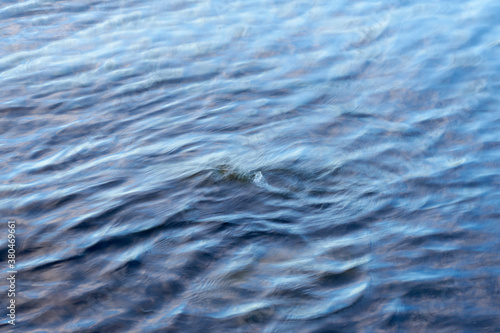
[{"x": 251, "y": 166}]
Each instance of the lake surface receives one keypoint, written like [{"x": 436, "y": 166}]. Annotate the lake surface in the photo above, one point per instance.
[{"x": 251, "y": 166}]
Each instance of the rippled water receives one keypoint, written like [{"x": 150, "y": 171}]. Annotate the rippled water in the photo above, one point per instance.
[{"x": 252, "y": 166}]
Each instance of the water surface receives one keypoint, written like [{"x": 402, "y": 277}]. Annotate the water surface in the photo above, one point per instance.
[{"x": 252, "y": 166}]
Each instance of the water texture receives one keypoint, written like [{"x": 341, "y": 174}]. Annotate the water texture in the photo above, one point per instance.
[{"x": 252, "y": 166}]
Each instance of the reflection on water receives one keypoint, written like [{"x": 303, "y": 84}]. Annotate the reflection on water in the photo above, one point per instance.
[{"x": 269, "y": 166}]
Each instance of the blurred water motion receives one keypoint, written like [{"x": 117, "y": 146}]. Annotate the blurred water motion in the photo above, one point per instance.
[{"x": 252, "y": 166}]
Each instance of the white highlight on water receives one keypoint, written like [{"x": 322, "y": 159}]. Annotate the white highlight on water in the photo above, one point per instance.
[{"x": 259, "y": 179}]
